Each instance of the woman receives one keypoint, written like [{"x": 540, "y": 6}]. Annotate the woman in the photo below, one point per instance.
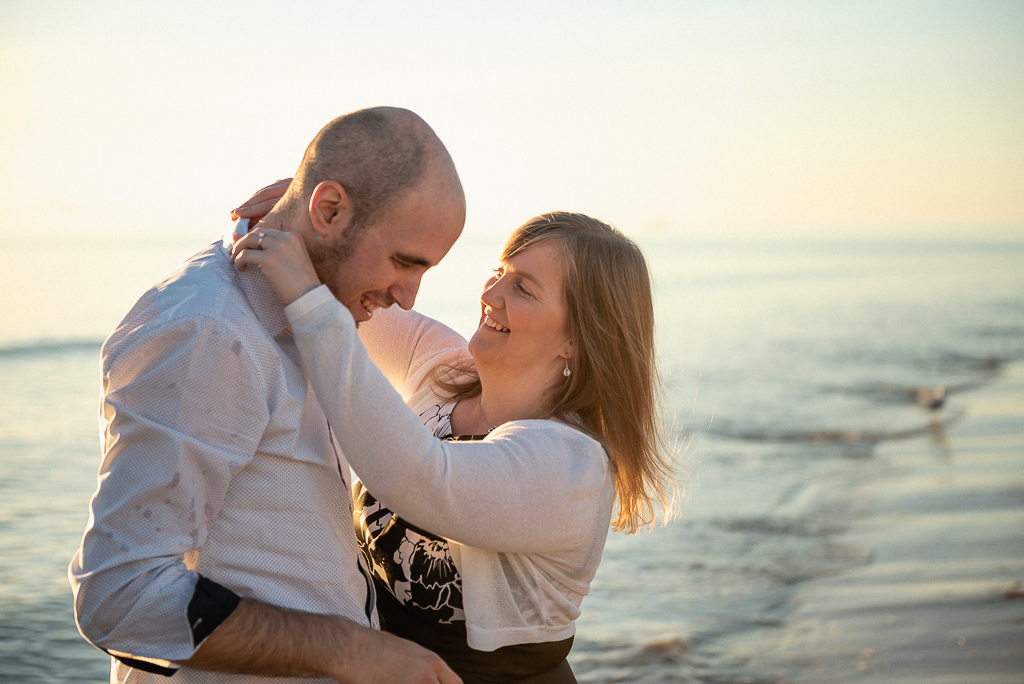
[{"x": 548, "y": 422}]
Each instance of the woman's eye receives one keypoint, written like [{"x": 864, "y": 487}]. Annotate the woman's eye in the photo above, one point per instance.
[{"x": 519, "y": 286}]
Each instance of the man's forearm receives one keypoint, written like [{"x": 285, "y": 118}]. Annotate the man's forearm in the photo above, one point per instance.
[
  {"x": 261, "y": 639},
  {"x": 265, "y": 640}
]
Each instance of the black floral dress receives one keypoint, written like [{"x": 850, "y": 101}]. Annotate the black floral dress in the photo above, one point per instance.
[
  {"x": 419, "y": 590},
  {"x": 415, "y": 566}
]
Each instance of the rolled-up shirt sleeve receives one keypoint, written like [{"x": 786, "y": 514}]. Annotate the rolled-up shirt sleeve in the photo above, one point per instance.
[{"x": 181, "y": 412}]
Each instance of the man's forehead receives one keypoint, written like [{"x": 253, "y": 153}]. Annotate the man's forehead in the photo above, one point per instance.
[
  {"x": 424, "y": 225},
  {"x": 422, "y": 243}
]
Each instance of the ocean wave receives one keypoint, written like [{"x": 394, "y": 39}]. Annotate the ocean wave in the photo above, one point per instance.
[
  {"x": 765, "y": 525},
  {"x": 49, "y": 348},
  {"x": 889, "y": 393},
  {"x": 620, "y": 660},
  {"x": 825, "y": 437},
  {"x": 1011, "y": 331}
]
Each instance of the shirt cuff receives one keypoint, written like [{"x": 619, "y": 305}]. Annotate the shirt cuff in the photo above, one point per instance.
[
  {"x": 211, "y": 605},
  {"x": 307, "y": 302}
]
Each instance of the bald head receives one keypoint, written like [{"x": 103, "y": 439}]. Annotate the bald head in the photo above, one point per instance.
[
  {"x": 378, "y": 155},
  {"x": 378, "y": 202}
]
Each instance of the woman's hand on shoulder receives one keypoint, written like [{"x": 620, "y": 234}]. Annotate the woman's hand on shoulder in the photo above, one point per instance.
[
  {"x": 260, "y": 204},
  {"x": 282, "y": 258}
]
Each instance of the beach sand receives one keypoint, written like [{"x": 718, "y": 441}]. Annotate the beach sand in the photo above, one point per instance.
[{"x": 940, "y": 596}]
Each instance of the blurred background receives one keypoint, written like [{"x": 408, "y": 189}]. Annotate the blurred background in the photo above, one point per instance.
[
  {"x": 831, "y": 198},
  {"x": 731, "y": 118}
]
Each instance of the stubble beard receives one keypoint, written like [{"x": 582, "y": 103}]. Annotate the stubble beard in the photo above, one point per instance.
[{"x": 330, "y": 259}]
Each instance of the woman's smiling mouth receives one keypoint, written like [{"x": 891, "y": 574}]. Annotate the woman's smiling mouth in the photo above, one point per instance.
[{"x": 494, "y": 325}]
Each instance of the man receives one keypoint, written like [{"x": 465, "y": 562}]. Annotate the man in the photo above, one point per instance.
[{"x": 220, "y": 539}]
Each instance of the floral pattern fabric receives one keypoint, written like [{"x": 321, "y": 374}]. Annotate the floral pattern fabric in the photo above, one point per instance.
[{"x": 415, "y": 565}]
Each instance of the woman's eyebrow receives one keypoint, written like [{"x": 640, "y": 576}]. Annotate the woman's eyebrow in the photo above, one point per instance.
[{"x": 526, "y": 275}]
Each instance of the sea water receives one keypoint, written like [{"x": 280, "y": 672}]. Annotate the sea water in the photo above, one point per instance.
[{"x": 785, "y": 365}]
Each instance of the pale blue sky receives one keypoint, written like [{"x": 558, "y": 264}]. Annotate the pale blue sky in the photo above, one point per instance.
[{"x": 734, "y": 118}]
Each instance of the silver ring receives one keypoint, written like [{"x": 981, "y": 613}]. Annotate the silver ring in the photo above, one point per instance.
[{"x": 259, "y": 243}]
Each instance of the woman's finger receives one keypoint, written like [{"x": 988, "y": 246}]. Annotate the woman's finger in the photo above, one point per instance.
[
  {"x": 254, "y": 211},
  {"x": 256, "y": 249},
  {"x": 276, "y": 186},
  {"x": 282, "y": 258},
  {"x": 263, "y": 200},
  {"x": 273, "y": 191},
  {"x": 253, "y": 240}
]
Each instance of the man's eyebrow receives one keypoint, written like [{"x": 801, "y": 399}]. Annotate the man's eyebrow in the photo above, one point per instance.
[{"x": 412, "y": 260}]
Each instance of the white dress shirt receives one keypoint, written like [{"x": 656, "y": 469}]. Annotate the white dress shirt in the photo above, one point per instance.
[{"x": 220, "y": 477}]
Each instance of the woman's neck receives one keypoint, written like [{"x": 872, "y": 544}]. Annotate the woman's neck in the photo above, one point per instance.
[{"x": 482, "y": 413}]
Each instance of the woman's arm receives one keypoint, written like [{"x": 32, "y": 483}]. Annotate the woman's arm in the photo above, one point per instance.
[
  {"x": 530, "y": 486},
  {"x": 406, "y": 346}
]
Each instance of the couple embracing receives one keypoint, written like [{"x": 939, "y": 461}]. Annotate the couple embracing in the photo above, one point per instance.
[{"x": 226, "y": 542}]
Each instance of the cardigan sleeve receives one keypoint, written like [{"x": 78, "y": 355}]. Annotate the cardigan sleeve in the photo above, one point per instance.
[
  {"x": 406, "y": 346},
  {"x": 528, "y": 487}
]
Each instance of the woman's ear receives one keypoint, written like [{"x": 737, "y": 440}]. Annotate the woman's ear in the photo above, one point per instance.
[
  {"x": 330, "y": 210},
  {"x": 567, "y": 350}
]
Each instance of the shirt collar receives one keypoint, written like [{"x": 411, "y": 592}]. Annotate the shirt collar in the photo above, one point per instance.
[{"x": 262, "y": 299}]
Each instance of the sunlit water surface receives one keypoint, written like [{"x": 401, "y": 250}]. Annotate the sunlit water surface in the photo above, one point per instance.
[{"x": 785, "y": 365}]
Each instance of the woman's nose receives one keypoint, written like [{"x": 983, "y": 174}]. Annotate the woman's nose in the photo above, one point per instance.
[{"x": 491, "y": 295}]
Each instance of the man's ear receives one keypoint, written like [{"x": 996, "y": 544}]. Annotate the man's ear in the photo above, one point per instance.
[{"x": 330, "y": 209}]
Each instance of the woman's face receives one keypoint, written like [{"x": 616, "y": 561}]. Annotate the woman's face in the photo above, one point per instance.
[{"x": 522, "y": 329}]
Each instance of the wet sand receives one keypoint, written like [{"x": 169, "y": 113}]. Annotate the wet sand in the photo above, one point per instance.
[{"x": 941, "y": 596}]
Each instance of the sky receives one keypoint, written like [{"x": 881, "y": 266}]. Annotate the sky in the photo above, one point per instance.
[{"x": 708, "y": 119}]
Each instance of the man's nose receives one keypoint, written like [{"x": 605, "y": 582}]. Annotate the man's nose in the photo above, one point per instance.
[{"x": 404, "y": 291}]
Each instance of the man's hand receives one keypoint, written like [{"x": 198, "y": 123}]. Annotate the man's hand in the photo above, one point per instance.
[
  {"x": 384, "y": 658},
  {"x": 260, "y": 204},
  {"x": 265, "y": 640}
]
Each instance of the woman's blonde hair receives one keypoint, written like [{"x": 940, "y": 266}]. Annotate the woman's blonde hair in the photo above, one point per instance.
[{"x": 613, "y": 392}]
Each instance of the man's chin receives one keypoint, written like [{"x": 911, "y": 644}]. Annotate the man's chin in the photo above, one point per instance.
[
  {"x": 359, "y": 314},
  {"x": 356, "y": 309}
]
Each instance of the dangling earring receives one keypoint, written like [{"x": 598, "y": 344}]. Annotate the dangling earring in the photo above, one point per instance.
[{"x": 567, "y": 372}]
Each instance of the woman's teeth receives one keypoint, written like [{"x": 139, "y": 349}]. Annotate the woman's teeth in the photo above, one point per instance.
[{"x": 491, "y": 323}]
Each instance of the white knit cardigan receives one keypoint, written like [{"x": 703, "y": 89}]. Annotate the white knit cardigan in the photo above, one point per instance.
[{"x": 527, "y": 510}]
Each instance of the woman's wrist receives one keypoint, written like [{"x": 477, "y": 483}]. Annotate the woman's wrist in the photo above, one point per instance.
[{"x": 311, "y": 299}]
